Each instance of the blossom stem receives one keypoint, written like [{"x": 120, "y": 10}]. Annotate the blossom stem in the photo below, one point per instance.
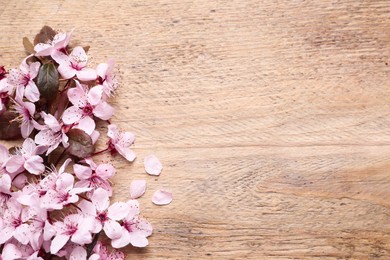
[
  {"x": 102, "y": 151},
  {"x": 92, "y": 245}
]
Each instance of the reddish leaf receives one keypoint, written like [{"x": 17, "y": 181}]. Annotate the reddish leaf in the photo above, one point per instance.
[
  {"x": 28, "y": 46},
  {"x": 80, "y": 143},
  {"x": 45, "y": 35}
]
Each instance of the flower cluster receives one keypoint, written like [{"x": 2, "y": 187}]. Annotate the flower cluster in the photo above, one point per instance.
[{"x": 53, "y": 100}]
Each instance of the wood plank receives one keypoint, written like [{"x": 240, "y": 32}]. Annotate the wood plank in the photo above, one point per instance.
[{"x": 270, "y": 117}]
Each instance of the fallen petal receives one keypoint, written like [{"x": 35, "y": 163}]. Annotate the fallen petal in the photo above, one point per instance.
[
  {"x": 137, "y": 188},
  {"x": 162, "y": 197},
  {"x": 152, "y": 165}
]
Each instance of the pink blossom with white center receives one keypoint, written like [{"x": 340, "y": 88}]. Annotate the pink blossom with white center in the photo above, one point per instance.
[
  {"x": 94, "y": 176},
  {"x": 86, "y": 103},
  {"x": 104, "y": 216},
  {"x": 52, "y": 133},
  {"x": 74, "y": 227},
  {"x": 15, "y": 224},
  {"x": 63, "y": 194},
  {"x": 107, "y": 78},
  {"x": 23, "y": 80},
  {"x": 101, "y": 253},
  {"x": 74, "y": 65},
  {"x": 27, "y": 158},
  {"x": 25, "y": 112},
  {"x": 120, "y": 142},
  {"x": 135, "y": 229},
  {"x": 59, "y": 43}
]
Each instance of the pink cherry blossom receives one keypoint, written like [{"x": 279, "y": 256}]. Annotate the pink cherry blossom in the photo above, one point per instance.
[
  {"x": 101, "y": 253},
  {"x": 94, "y": 176},
  {"x": 59, "y": 43},
  {"x": 74, "y": 64},
  {"x": 27, "y": 158},
  {"x": 52, "y": 133},
  {"x": 63, "y": 194},
  {"x": 25, "y": 116},
  {"x": 23, "y": 80},
  {"x": 86, "y": 103},
  {"x": 135, "y": 229},
  {"x": 14, "y": 225},
  {"x": 74, "y": 227},
  {"x": 120, "y": 142},
  {"x": 152, "y": 165},
  {"x": 137, "y": 188},
  {"x": 107, "y": 78},
  {"x": 104, "y": 216},
  {"x": 162, "y": 197}
]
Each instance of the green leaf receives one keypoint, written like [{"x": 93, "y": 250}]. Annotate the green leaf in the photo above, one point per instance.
[
  {"x": 9, "y": 130},
  {"x": 46, "y": 34},
  {"x": 80, "y": 144},
  {"x": 28, "y": 45},
  {"x": 48, "y": 81}
]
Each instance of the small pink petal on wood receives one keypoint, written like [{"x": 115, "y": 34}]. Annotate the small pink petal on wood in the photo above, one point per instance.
[
  {"x": 152, "y": 165},
  {"x": 162, "y": 197},
  {"x": 137, "y": 188}
]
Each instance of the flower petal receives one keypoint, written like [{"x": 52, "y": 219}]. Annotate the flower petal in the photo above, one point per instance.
[
  {"x": 87, "y": 124},
  {"x": 82, "y": 172},
  {"x": 11, "y": 252},
  {"x": 112, "y": 229},
  {"x": 100, "y": 199},
  {"x": 152, "y": 165},
  {"x": 78, "y": 253},
  {"x": 77, "y": 95},
  {"x": 58, "y": 242},
  {"x": 137, "y": 188},
  {"x": 34, "y": 165},
  {"x": 103, "y": 110},
  {"x": 72, "y": 115},
  {"x": 31, "y": 92},
  {"x": 161, "y": 197},
  {"x": 126, "y": 152},
  {"x": 86, "y": 74},
  {"x": 118, "y": 211},
  {"x": 95, "y": 95}
]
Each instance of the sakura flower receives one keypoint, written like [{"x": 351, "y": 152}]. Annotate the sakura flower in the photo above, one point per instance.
[
  {"x": 137, "y": 188},
  {"x": 25, "y": 112},
  {"x": 152, "y": 165},
  {"x": 6, "y": 89},
  {"x": 120, "y": 142},
  {"x": 15, "y": 225},
  {"x": 162, "y": 197},
  {"x": 63, "y": 194},
  {"x": 94, "y": 176},
  {"x": 52, "y": 133},
  {"x": 59, "y": 43},
  {"x": 27, "y": 158},
  {"x": 74, "y": 227},
  {"x": 101, "y": 253},
  {"x": 23, "y": 79},
  {"x": 135, "y": 229},
  {"x": 104, "y": 216},
  {"x": 107, "y": 78},
  {"x": 74, "y": 64},
  {"x": 86, "y": 103}
]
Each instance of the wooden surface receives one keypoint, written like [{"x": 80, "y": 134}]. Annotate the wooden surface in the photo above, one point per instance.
[{"x": 272, "y": 119}]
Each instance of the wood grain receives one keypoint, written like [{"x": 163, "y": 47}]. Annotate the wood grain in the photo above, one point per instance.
[{"x": 272, "y": 119}]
